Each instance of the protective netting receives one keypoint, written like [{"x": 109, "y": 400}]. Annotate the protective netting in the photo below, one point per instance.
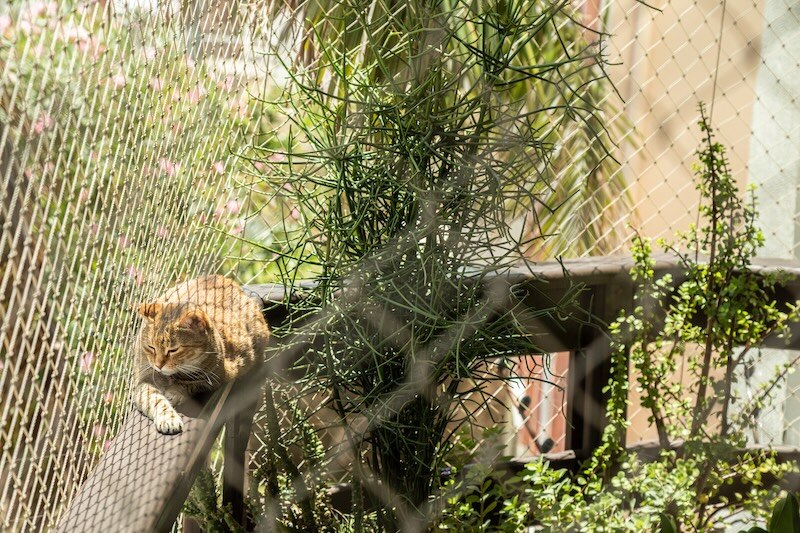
[
  {"x": 121, "y": 123},
  {"x": 118, "y": 125}
]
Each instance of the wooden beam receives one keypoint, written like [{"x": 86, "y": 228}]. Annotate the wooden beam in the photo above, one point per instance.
[{"x": 237, "y": 435}]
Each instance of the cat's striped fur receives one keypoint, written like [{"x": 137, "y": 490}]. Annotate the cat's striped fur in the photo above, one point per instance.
[{"x": 195, "y": 337}]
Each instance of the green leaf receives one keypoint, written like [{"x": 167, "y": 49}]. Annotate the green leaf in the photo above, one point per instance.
[
  {"x": 785, "y": 516},
  {"x": 667, "y": 524}
]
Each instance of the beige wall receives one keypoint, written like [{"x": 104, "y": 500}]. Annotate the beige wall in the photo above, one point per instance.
[{"x": 666, "y": 64}]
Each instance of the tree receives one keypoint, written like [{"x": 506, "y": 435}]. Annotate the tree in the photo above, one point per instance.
[{"x": 432, "y": 145}]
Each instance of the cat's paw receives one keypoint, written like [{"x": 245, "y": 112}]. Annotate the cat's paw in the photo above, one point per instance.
[{"x": 169, "y": 422}]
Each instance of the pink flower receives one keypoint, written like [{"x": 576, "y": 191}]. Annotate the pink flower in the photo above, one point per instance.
[
  {"x": 227, "y": 83},
  {"x": 86, "y": 362},
  {"x": 162, "y": 232},
  {"x": 98, "y": 430},
  {"x": 94, "y": 156},
  {"x": 135, "y": 273},
  {"x": 94, "y": 229},
  {"x": 156, "y": 84},
  {"x": 218, "y": 167},
  {"x": 42, "y": 123},
  {"x": 118, "y": 80},
  {"x": 108, "y": 397},
  {"x": 37, "y": 9},
  {"x": 219, "y": 212},
  {"x": 168, "y": 167},
  {"x": 106, "y": 445},
  {"x": 261, "y": 167},
  {"x": 189, "y": 63},
  {"x": 123, "y": 241},
  {"x": 83, "y": 195},
  {"x": 91, "y": 47},
  {"x": 196, "y": 94},
  {"x": 295, "y": 214},
  {"x": 27, "y": 28},
  {"x": 238, "y": 227},
  {"x": 5, "y": 23},
  {"x": 233, "y": 206},
  {"x": 149, "y": 52},
  {"x": 239, "y": 107},
  {"x": 277, "y": 157},
  {"x": 74, "y": 33}
]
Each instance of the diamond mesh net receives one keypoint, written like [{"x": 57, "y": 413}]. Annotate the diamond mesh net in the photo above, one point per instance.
[{"x": 120, "y": 126}]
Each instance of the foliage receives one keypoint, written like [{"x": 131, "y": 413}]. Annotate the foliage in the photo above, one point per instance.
[
  {"x": 425, "y": 151},
  {"x": 487, "y": 501},
  {"x": 477, "y": 496},
  {"x": 713, "y": 318},
  {"x": 785, "y": 517},
  {"x": 204, "y": 505}
]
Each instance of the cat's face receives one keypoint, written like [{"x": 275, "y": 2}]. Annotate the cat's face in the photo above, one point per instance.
[{"x": 176, "y": 338}]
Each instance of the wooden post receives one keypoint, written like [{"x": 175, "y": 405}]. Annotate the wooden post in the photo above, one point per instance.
[
  {"x": 590, "y": 370},
  {"x": 237, "y": 435},
  {"x": 573, "y": 440},
  {"x": 190, "y": 525}
]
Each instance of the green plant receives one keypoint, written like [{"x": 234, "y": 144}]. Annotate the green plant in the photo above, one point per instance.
[
  {"x": 204, "y": 505},
  {"x": 121, "y": 143},
  {"x": 785, "y": 517},
  {"x": 129, "y": 175},
  {"x": 477, "y": 496},
  {"x": 712, "y": 319},
  {"x": 421, "y": 158}
]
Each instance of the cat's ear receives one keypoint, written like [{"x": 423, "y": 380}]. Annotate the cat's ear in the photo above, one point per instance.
[
  {"x": 150, "y": 310},
  {"x": 194, "y": 319}
]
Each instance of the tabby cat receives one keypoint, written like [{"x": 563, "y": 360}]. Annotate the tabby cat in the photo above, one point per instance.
[{"x": 195, "y": 337}]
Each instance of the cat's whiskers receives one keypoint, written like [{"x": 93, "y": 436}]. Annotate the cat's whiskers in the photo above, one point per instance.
[{"x": 192, "y": 371}]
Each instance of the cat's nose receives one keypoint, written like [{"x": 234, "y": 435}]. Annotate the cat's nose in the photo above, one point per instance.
[{"x": 159, "y": 365}]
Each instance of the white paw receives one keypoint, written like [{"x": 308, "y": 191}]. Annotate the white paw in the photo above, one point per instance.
[{"x": 169, "y": 423}]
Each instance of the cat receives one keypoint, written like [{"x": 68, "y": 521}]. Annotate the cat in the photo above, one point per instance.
[{"x": 195, "y": 337}]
